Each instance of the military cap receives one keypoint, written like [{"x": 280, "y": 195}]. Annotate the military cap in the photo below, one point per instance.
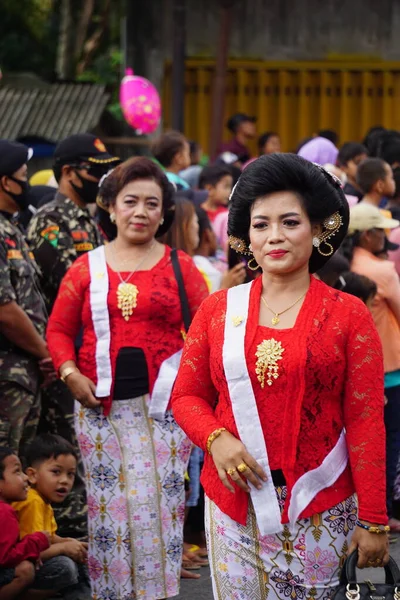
[
  {"x": 83, "y": 147},
  {"x": 12, "y": 156}
]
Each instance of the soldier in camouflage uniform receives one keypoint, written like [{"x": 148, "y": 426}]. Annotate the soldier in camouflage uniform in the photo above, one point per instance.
[
  {"x": 58, "y": 234},
  {"x": 23, "y": 353}
]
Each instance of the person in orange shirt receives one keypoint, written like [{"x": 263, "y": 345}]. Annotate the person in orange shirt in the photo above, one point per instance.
[{"x": 367, "y": 240}]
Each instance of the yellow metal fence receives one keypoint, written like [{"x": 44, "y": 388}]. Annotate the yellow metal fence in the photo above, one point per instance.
[{"x": 296, "y": 99}]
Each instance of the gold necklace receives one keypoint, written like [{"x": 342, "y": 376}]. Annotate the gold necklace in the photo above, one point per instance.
[
  {"x": 275, "y": 319},
  {"x": 127, "y": 293}
]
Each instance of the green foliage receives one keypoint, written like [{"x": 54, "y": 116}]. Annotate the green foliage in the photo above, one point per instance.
[{"x": 27, "y": 36}]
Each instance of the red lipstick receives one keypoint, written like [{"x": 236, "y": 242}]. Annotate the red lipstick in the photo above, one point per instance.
[{"x": 277, "y": 253}]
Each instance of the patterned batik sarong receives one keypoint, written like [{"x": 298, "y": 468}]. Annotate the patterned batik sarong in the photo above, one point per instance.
[
  {"x": 136, "y": 500},
  {"x": 300, "y": 565}
]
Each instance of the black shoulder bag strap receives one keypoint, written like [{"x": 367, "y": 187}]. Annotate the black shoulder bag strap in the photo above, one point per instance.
[{"x": 187, "y": 319}]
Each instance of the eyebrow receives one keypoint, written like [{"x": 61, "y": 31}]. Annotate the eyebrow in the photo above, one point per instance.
[
  {"x": 284, "y": 216},
  {"x": 137, "y": 196}
]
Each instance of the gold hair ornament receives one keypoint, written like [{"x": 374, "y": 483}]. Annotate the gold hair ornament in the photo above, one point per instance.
[{"x": 331, "y": 226}]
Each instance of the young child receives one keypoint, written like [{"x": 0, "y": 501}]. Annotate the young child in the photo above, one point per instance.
[
  {"x": 217, "y": 181},
  {"x": 203, "y": 258},
  {"x": 51, "y": 466},
  {"x": 375, "y": 179},
  {"x": 351, "y": 154},
  {"x": 17, "y": 557}
]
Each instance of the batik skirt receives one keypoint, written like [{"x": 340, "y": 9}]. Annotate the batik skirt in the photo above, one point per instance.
[
  {"x": 136, "y": 500},
  {"x": 293, "y": 565}
]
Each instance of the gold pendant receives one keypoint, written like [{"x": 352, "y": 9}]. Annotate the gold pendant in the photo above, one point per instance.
[
  {"x": 269, "y": 352},
  {"x": 275, "y": 320},
  {"x": 127, "y": 294}
]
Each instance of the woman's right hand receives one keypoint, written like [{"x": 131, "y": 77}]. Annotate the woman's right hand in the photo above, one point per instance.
[
  {"x": 228, "y": 453},
  {"x": 82, "y": 389}
]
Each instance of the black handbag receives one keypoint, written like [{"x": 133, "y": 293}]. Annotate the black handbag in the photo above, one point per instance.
[{"x": 350, "y": 589}]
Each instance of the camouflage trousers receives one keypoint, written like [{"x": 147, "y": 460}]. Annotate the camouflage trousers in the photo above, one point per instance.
[
  {"x": 19, "y": 415},
  {"x": 57, "y": 417}
]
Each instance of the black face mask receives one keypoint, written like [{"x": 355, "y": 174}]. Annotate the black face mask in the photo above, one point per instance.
[
  {"x": 21, "y": 200},
  {"x": 89, "y": 190}
]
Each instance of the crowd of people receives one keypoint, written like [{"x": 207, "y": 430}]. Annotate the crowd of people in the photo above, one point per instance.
[{"x": 162, "y": 317}]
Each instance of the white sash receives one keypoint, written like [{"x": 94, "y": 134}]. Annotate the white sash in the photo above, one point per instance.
[
  {"x": 101, "y": 322},
  {"x": 244, "y": 406},
  {"x": 163, "y": 386},
  {"x": 99, "y": 286},
  {"x": 247, "y": 421}
]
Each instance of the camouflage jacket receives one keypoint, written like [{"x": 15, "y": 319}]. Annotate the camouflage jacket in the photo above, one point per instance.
[
  {"x": 58, "y": 234},
  {"x": 19, "y": 282}
]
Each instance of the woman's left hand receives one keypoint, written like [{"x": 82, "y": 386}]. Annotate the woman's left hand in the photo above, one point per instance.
[{"x": 373, "y": 548}]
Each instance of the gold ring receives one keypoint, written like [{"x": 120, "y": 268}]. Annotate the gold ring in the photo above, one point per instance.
[
  {"x": 231, "y": 471},
  {"x": 242, "y": 467},
  {"x": 378, "y": 561}
]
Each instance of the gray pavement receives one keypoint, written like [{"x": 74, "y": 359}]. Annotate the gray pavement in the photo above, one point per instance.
[{"x": 201, "y": 589}]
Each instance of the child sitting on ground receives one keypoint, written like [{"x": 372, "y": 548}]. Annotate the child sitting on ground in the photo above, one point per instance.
[
  {"x": 17, "y": 557},
  {"x": 217, "y": 181},
  {"x": 51, "y": 466}
]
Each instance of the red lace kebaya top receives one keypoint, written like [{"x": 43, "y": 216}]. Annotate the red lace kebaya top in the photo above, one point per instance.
[
  {"x": 330, "y": 378},
  {"x": 155, "y": 326}
]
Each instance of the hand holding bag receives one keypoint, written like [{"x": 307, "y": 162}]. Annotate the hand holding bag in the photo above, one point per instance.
[{"x": 349, "y": 589}]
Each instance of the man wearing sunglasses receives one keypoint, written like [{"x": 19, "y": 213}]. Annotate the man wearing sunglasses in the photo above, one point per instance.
[
  {"x": 58, "y": 234},
  {"x": 63, "y": 229}
]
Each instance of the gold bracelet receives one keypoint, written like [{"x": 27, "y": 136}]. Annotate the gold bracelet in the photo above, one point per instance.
[
  {"x": 213, "y": 436},
  {"x": 374, "y": 528}
]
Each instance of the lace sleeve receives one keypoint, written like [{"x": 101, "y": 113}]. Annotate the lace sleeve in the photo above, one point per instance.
[
  {"x": 363, "y": 418},
  {"x": 194, "y": 394},
  {"x": 65, "y": 319},
  {"x": 195, "y": 285}
]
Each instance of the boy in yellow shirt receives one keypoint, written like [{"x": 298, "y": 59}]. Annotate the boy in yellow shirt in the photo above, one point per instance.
[{"x": 51, "y": 466}]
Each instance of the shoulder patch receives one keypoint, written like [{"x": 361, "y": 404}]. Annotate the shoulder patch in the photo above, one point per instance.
[
  {"x": 79, "y": 235},
  {"x": 83, "y": 247},
  {"x": 14, "y": 254},
  {"x": 51, "y": 234}
]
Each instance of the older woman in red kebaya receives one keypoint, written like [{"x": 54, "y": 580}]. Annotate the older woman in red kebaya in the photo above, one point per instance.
[
  {"x": 281, "y": 383},
  {"x": 126, "y": 298}
]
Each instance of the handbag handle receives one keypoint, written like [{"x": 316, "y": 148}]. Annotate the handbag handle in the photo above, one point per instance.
[
  {"x": 349, "y": 574},
  {"x": 186, "y": 316}
]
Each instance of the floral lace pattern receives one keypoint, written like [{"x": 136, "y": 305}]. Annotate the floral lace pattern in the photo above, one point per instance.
[
  {"x": 331, "y": 378},
  {"x": 156, "y": 324}
]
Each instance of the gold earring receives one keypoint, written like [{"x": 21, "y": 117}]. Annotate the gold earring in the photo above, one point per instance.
[
  {"x": 238, "y": 245},
  {"x": 162, "y": 221},
  {"x": 253, "y": 268},
  {"x": 112, "y": 218},
  {"x": 331, "y": 224}
]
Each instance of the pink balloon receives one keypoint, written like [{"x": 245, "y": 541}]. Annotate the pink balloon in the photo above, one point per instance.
[{"x": 140, "y": 103}]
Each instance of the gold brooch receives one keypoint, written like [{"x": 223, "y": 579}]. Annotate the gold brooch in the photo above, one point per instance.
[
  {"x": 269, "y": 352},
  {"x": 237, "y": 320}
]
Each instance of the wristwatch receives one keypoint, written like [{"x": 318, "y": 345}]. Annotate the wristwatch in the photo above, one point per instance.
[{"x": 66, "y": 372}]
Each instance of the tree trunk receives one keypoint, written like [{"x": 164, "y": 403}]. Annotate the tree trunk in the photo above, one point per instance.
[
  {"x": 65, "y": 59},
  {"x": 82, "y": 27},
  {"x": 94, "y": 41}
]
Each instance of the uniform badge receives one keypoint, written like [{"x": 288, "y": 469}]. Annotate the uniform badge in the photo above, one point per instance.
[
  {"x": 78, "y": 235},
  {"x": 14, "y": 254},
  {"x": 83, "y": 247},
  {"x": 51, "y": 234},
  {"x": 98, "y": 144}
]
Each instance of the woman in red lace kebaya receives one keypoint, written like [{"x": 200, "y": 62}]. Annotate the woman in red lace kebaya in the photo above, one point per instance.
[
  {"x": 125, "y": 299},
  {"x": 281, "y": 383}
]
